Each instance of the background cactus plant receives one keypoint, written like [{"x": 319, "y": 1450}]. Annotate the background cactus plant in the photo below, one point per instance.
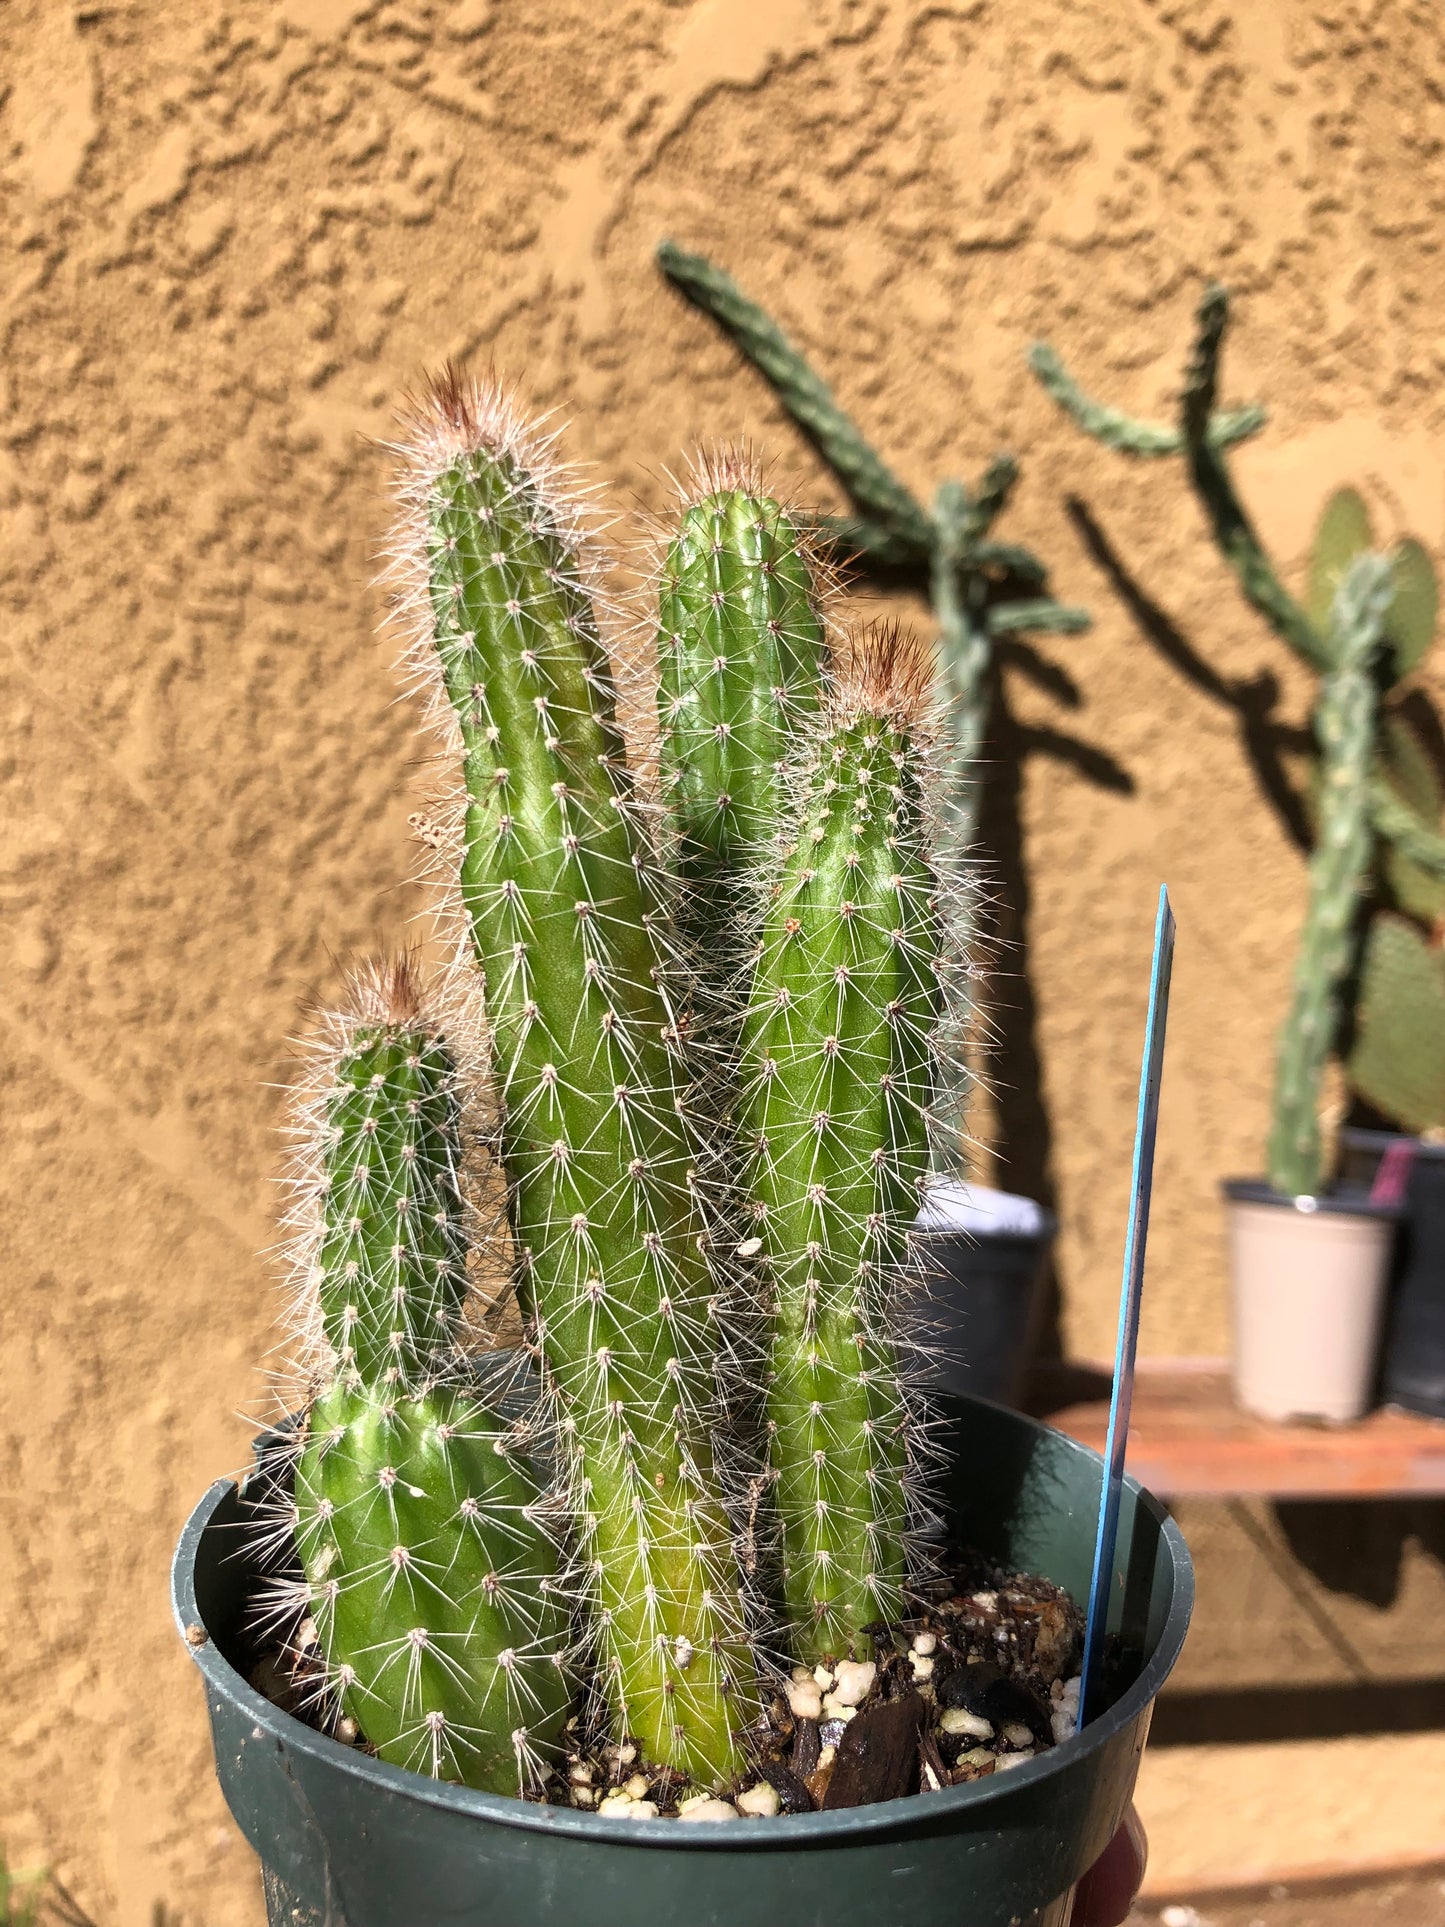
[
  {"x": 1398, "y": 1061},
  {"x": 563, "y": 908},
  {"x": 1339, "y": 872},
  {"x": 987, "y": 596},
  {"x": 1401, "y": 823},
  {"x": 837, "y": 1078},
  {"x": 429, "y": 1573}
]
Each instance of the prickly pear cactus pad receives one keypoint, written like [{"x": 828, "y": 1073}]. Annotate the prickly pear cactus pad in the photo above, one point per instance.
[
  {"x": 741, "y": 659},
  {"x": 561, "y": 898},
  {"x": 430, "y": 1574},
  {"x": 843, "y": 1016},
  {"x": 1398, "y": 1062}
]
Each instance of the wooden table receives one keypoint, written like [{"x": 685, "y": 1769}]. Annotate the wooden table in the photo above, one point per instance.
[{"x": 1188, "y": 1439}]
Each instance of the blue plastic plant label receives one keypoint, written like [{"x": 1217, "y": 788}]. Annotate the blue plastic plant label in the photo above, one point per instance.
[{"x": 1141, "y": 1186}]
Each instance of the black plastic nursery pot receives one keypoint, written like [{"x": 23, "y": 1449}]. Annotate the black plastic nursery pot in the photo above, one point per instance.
[
  {"x": 348, "y": 1841},
  {"x": 983, "y": 1298},
  {"x": 1412, "y": 1372}
]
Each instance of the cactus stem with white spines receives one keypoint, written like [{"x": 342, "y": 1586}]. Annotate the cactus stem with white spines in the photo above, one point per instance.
[
  {"x": 741, "y": 655},
  {"x": 563, "y": 908},
  {"x": 838, "y": 1081},
  {"x": 428, "y": 1572}
]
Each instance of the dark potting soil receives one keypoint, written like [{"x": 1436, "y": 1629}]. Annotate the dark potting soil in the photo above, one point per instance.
[{"x": 982, "y": 1678}]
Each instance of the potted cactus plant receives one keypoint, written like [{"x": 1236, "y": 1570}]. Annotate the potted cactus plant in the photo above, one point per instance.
[
  {"x": 1311, "y": 1260},
  {"x": 707, "y": 1027}
]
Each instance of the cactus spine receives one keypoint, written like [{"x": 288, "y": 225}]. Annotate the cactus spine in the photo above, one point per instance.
[
  {"x": 1345, "y": 730},
  {"x": 428, "y": 1573},
  {"x": 561, "y": 904},
  {"x": 834, "y": 1109},
  {"x": 740, "y": 653}
]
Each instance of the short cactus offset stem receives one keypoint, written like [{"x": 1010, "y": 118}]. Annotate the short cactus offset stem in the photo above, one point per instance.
[
  {"x": 562, "y": 909},
  {"x": 834, "y": 1129},
  {"x": 1345, "y": 727},
  {"x": 741, "y": 661},
  {"x": 434, "y": 1588},
  {"x": 428, "y": 1572}
]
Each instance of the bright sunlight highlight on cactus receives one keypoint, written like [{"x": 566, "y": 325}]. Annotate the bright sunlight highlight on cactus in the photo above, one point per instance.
[
  {"x": 562, "y": 908},
  {"x": 428, "y": 1573}
]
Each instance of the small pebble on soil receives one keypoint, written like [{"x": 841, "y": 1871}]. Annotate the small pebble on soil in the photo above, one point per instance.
[{"x": 981, "y": 1679}]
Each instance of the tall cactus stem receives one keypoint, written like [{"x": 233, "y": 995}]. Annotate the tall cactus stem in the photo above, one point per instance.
[
  {"x": 1345, "y": 729},
  {"x": 838, "y": 1083},
  {"x": 741, "y": 654},
  {"x": 561, "y": 902}
]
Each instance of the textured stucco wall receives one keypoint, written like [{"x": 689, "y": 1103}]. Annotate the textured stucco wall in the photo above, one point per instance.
[{"x": 230, "y": 235}]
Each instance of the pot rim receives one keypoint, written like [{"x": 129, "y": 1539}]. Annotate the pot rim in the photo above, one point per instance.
[
  {"x": 505, "y": 1810},
  {"x": 1333, "y": 1204},
  {"x": 1364, "y": 1138}
]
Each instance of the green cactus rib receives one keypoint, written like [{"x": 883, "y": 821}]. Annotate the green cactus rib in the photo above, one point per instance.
[
  {"x": 834, "y": 1145},
  {"x": 1345, "y": 730},
  {"x": 804, "y": 394},
  {"x": 433, "y": 1587},
  {"x": 391, "y": 1268},
  {"x": 741, "y": 653},
  {"x": 563, "y": 917}
]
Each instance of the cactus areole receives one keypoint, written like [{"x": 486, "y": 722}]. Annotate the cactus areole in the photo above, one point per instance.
[{"x": 563, "y": 910}]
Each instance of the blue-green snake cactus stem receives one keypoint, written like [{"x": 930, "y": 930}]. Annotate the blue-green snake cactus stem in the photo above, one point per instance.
[
  {"x": 837, "y": 1084},
  {"x": 429, "y": 1575},
  {"x": 562, "y": 904},
  {"x": 1339, "y": 870}
]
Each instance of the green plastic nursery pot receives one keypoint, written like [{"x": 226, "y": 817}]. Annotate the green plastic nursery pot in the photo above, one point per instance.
[{"x": 348, "y": 1841}]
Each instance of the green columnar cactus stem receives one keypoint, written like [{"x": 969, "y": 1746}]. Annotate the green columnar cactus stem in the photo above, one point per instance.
[
  {"x": 1345, "y": 728},
  {"x": 741, "y": 660},
  {"x": 562, "y": 910},
  {"x": 837, "y": 1083},
  {"x": 429, "y": 1577}
]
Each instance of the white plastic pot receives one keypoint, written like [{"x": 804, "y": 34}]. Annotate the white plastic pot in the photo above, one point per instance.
[{"x": 1309, "y": 1296}]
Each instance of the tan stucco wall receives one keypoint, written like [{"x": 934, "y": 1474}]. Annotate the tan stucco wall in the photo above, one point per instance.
[{"x": 230, "y": 235}]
